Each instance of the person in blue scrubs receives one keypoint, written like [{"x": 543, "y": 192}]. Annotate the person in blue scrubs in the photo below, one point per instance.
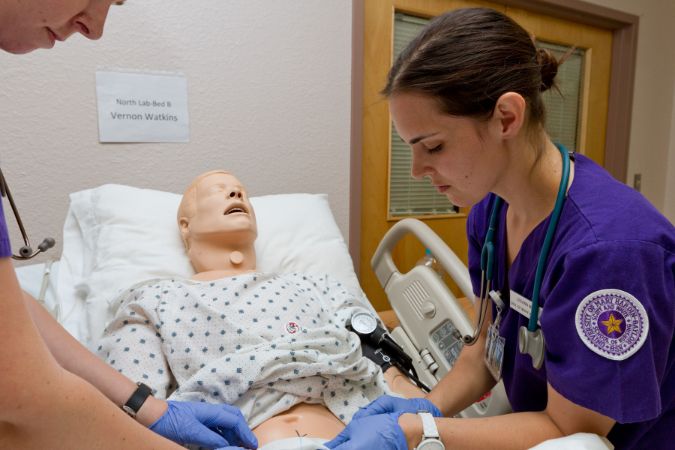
[
  {"x": 52, "y": 389},
  {"x": 466, "y": 96}
]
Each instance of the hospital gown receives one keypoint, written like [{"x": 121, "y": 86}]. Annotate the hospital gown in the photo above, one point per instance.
[{"x": 261, "y": 342}]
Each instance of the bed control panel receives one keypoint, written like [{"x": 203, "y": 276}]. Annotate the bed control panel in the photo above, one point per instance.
[
  {"x": 447, "y": 340},
  {"x": 433, "y": 322}
]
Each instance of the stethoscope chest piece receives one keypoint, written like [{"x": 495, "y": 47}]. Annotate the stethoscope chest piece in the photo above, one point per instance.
[{"x": 532, "y": 343}]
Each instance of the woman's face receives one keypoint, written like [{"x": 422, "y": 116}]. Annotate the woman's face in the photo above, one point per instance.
[
  {"x": 457, "y": 154},
  {"x": 26, "y": 25}
]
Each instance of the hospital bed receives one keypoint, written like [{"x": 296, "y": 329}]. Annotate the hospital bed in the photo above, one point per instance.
[{"x": 115, "y": 236}]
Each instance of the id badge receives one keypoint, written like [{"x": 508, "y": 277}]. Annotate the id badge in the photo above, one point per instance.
[{"x": 494, "y": 350}]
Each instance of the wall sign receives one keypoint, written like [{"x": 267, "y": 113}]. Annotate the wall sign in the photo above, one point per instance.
[{"x": 142, "y": 107}]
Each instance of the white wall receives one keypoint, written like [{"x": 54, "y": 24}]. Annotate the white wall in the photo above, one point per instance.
[
  {"x": 652, "y": 143},
  {"x": 269, "y": 97}
]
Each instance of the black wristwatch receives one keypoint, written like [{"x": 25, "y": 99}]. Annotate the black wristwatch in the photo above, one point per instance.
[{"x": 140, "y": 395}]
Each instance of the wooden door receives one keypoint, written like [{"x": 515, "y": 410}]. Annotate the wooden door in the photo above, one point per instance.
[{"x": 376, "y": 156}]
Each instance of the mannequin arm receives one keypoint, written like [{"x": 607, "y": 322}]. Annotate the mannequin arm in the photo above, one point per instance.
[{"x": 401, "y": 384}]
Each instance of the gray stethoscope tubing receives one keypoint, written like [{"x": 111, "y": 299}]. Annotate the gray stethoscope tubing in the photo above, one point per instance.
[
  {"x": 530, "y": 339},
  {"x": 26, "y": 251}
]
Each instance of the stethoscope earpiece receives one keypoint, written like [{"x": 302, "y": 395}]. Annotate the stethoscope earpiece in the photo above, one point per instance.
[
  {"x": 26, "y": 252},
  {"x": 46, "y": 244}
]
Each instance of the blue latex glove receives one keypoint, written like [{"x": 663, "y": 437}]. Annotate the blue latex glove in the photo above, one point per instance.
[
  {"x": 388, "y": 404},
  {"x": 205, "y": 424},
  {"x": 380, "y": 432}
]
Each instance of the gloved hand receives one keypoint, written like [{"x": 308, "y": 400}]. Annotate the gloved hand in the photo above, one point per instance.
[
  {"x": 388, "y": 404},
  {"x": 381, "y": 432},
  {"x": 205, "y": 424}
]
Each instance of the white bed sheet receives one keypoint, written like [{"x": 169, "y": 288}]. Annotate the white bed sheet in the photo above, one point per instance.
[
  {"x": 31, "y": 277},
  {"x": 70, "y": 312}
]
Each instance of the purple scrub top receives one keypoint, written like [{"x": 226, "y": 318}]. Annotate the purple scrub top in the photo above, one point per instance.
[
  {"x": 5, "y": 249},
  {"x": 608, "y": 299}
]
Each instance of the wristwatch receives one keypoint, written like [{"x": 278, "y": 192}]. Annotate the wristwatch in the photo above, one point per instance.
[
  {"x": 431, "y": 440},
  {"x": 140, "y": 395}
]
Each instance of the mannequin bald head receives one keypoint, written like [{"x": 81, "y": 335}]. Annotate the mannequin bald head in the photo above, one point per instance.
[{"x": 217, "y": 224}]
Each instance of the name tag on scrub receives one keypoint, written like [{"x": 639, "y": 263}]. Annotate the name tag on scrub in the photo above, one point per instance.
[{"x": 523, "y": 305}]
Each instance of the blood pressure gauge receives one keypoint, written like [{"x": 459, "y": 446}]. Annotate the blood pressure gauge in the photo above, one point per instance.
[{"x": 363, "y": 323}]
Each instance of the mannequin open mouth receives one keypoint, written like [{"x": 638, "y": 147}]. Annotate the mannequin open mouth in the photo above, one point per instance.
[{"x": 235, "y": 210}]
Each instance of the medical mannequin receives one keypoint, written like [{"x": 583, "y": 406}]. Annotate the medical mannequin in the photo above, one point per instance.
[
  {"x": 218, "y": 228},
  {"x": 219, "y": 244},
  {"x": 218, "y": 250},
  {"x": 52, "y": 389},
  {"x": 465, "y": 94},
  {"x": 222, "y": 245}
]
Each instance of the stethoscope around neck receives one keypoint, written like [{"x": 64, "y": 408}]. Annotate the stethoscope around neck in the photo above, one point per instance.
[{"x": 530, "y": 338}]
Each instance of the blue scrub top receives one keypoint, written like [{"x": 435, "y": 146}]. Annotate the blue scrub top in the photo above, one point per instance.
[
  {"x": 5, "y": 249},
  {"x": 608, "y": 299}
]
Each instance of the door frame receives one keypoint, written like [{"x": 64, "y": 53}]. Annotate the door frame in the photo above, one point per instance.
[{"x": 624, "y": 29}]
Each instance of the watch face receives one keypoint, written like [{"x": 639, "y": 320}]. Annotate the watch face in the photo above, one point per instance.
[
  {"x": 363, "y": 323},
  {"x": 431, "y": 444}
]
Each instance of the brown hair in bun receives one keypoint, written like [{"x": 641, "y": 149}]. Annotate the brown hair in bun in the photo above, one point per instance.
[
  {"x": 549, "y": 68},
  {"x": 467, "y": 58}
]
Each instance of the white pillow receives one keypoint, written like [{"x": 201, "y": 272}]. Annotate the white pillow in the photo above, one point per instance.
[{"x": 129, "y": 235}]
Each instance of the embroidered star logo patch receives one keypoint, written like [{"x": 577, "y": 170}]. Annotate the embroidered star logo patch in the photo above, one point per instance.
[{"x": 612, "y": 323}]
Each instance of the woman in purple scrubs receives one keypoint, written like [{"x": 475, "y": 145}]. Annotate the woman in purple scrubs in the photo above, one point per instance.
[
  {"x": 466, "y": 96},
  {"x": 47, "y": 379}
]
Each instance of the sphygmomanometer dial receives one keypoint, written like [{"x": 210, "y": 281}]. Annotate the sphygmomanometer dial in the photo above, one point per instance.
[{"x": 363, "y": 323}]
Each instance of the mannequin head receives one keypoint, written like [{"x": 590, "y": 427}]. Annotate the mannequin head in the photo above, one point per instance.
[{"x": 217, "y": 225}]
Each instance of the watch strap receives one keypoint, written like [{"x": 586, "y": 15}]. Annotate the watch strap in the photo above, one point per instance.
[
  {"x": 429, "y": 427},
  {"x": 140, "y": 395}
]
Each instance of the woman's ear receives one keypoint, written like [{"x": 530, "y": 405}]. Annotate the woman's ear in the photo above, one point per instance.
[{"x": 509, "y": 115}]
